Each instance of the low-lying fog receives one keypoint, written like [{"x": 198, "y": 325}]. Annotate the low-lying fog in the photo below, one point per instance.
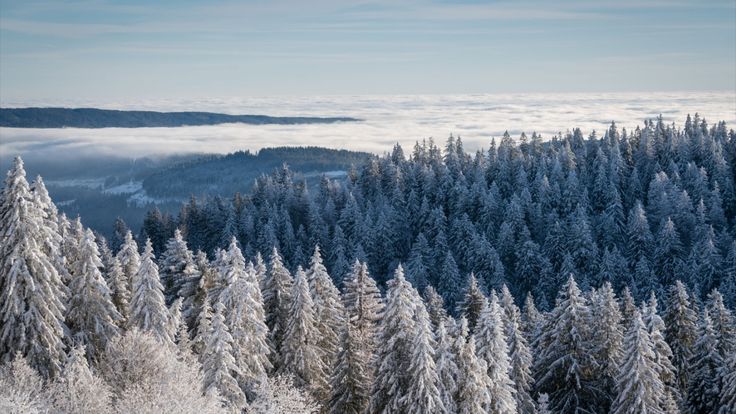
[{"x": 386, "y": 120}]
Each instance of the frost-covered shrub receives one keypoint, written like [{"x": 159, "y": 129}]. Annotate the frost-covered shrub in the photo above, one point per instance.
[
  {"x": 148, "y": 377},
  {"x": 78, "y": 390},
  {"x": 21, "y": 388},
  {"x": 280, "y": 396}
]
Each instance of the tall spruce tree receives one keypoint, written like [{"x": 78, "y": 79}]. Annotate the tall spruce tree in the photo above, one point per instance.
[
  {"x": 638, "y": 383},
  {"x": 219, "y": 365},
  {"x": 395, "y": 346},
  {"x": 277, "y": 289},
  {"x": 519, "y": 354},
  {"x": 728, "y": 386},
  {"x": 474, "y": 385},
  {"x": 32, "y": 294},
  {"x": 423, "y": 395},
  {"x": 662, "y": 356},
  {"x": 119, "y": 291},
  {"x": 435, "y": 307},
  {"x": 328, "y": 307},
  {"x": 129, "y": 259},
  {"x": 51, "y": 246},
  {"x": 491, "y": 344},
  {"x": 91, "y": 315},
  {"x": 446, "y": 363},
  {"x": 350, "y": 382},
  {"x": 176, "y": 267},
  {"x": 148, "y": 310},
  {"x": 472, "y": 303},
  {"x": 364, "y": 307},
  {"x": 704, "y": 382},
  {"x": 449, "y": 281},
  {"x": 565, "y": 365},
  {"x": 724, "y": 324},
  {"x": 607, "y": 341},
  {"x": 245, "y": 319},
  {"x": 301, "y": 354},
  {"x": 681, "y": 332}
]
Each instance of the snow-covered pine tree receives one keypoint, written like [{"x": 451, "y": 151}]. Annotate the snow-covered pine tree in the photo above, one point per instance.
[
  {"x": 245, "y": 319},
  {"x": 728, "y": 278},
  {"x": 119, "y": 291},
  {"x": 277, "y": 287},
  {"x": 565, "y": 363},
  {"x": 435, "y": 307},
  {"x": 204, "y": 322},
  {"x": 219, "y": 364},
  {"x": 147, "y": 306},
  {"x": 447, "y": 368},
  {"x": 260, "y": 269},
  {"x": 628, "y": 308},
  {"x": 183, "y": 341},
  {"x": 704, "y": 385},
  {"x": 423, "y": 394},
  {"x": 129, "y": 259},
  {"x": 724, "y": 324},
  {"x": 662, "y": 357},
  {"x": 394, "y": 346},
  {"x": 175, "y": 319},
  {"x": 91, "y": 315},
  {"x": 106, "y": 255},
  {"x": 521, "y": 361},
  {"x": 490, "y": 340},
  {"x": 72, "y": 235},
  {"x": 350, "y": 382},
  {"x": 666, "y": 255},
  {"x": 728, "y": 386},
  {"x": 531, "y": 319},
  {"x": 220, "y": 280},
  {"x": 607, "y": 342},
  {"x": 680, "y": 332},
  {"x": 301, "y": 354},
  {"x": 640, "y": 240},
  {"x": 639, "y": 388},
  {"x": 364, "y": 307},
  {"x": 449, "y": 282},
  {"x": 194, "y": 292},
  {"x": 328, "y": 308},
  {"x": 31, "y": 290},
  {"x": 177, "y": 267},
  {"x": 52, "y": 246},
  {"x": 474, "y": 386},
  {"x": 472, "y": 303},
  {"x": 519, "y": 353}
]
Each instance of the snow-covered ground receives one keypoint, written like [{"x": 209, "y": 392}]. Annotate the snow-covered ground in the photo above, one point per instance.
[
  {"x": 127, "y": 188},
  {"x": 78, "y": 182}
]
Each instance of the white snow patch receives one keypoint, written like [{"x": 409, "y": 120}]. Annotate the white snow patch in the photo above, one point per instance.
[
  {"x": 127, "y": 188},
  {"x": 77, "y": 182}
]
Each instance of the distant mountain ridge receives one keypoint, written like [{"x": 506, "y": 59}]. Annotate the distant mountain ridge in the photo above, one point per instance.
[{"x": 109, "y": 118}]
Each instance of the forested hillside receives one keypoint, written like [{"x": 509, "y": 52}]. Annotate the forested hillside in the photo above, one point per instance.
[
  {"x": 638, "y": 208},
  {"x": 106, "y": 118},
  {"x": 578, "y": 274},
  {"x": 227, "y": 174}
]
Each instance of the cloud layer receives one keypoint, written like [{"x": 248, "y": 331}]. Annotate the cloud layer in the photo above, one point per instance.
[{"x": 387, "y": 120}]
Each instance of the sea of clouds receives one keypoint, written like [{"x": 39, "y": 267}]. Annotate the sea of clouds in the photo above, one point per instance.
[{"x": 385, "y": 120}]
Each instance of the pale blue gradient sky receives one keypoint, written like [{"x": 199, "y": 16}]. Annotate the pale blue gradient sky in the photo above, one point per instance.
[{"x": 108, "y": 50}]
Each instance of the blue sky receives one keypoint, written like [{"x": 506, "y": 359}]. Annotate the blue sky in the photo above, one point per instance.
[{"x": 108, "y": 50}]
